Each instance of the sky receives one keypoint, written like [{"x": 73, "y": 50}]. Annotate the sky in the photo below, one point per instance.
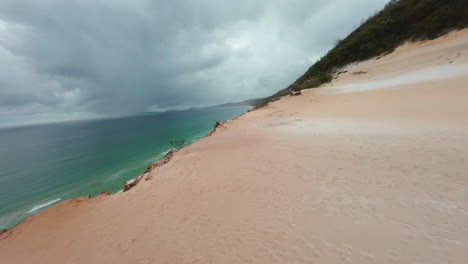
[{"x": 79, "y": 59}]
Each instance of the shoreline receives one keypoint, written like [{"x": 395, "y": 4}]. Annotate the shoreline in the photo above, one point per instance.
[
  {"x": 10, "y": 219},
  {"x": 128, "y": 184},
  {"x": 279, "y": 184}
]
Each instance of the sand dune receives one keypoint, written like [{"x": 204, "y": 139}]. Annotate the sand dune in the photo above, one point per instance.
[{"x": 372, "y": 168}]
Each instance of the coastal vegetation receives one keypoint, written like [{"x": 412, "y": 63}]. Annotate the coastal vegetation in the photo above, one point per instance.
[{"x": 399, "y": 21}]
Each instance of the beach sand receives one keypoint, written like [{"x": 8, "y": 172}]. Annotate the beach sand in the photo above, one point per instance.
[{"x": 372, "y": 168}]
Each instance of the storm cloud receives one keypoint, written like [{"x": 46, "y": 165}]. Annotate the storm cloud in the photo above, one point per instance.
[{"x": 75, "y": 59}]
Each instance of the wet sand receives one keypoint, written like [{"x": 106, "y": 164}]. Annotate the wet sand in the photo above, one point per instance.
[{"x": 372, "y": 168}]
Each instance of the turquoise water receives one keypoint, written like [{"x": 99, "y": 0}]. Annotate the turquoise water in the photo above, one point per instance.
[{"x": 42, "y": 165}]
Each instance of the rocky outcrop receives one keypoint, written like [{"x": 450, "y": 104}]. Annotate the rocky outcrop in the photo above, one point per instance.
[
  {"x": 152, "y": 166},
  {"x": 217, "y": 125},
  {"x": 161, "y": 162},
  {"x": 147, "y": 175},
  {"x": 132, "y": 183}
]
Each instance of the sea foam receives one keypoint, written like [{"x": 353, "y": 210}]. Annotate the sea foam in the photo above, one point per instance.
[{"x": 40, "y": 206}]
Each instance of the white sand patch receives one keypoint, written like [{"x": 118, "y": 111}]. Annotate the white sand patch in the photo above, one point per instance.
[{"x": 414, "y": 77}]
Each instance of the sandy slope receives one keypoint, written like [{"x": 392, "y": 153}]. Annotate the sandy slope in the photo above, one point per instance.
[{"x": 371, "y": 170}]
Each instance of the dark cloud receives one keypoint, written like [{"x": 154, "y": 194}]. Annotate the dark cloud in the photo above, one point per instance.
[{"x": 81, "y": 58}]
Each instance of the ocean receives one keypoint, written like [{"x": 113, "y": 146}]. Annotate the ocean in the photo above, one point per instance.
[{"x": 43, "y": 164}]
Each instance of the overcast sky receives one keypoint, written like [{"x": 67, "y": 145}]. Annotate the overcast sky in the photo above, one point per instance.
[{"x": 75, "y": 59}]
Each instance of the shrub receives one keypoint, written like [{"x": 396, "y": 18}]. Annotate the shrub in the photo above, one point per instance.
[{"x": 399, "y": 21}]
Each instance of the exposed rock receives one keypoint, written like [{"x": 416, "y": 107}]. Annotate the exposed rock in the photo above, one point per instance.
[
  {"x": 147, "y": 176},
  {"x": 160, "y": 162},
  {"x": 3, "y": 231},
  {"x": 169, "y": 155},
  {"x": 132, "y": 183},
  {"x": 152, "y": 166},
  {"x": 105, "y": 193},
  {"x": 275, "y": 99},
  {"x": 217, "y": 125}
]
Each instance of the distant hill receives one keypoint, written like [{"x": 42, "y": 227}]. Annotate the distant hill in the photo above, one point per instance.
[
  {"x": 399, "y": 21},
  {"x": 252, "y": 103},
  {"x": 255, "y": 103}
]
